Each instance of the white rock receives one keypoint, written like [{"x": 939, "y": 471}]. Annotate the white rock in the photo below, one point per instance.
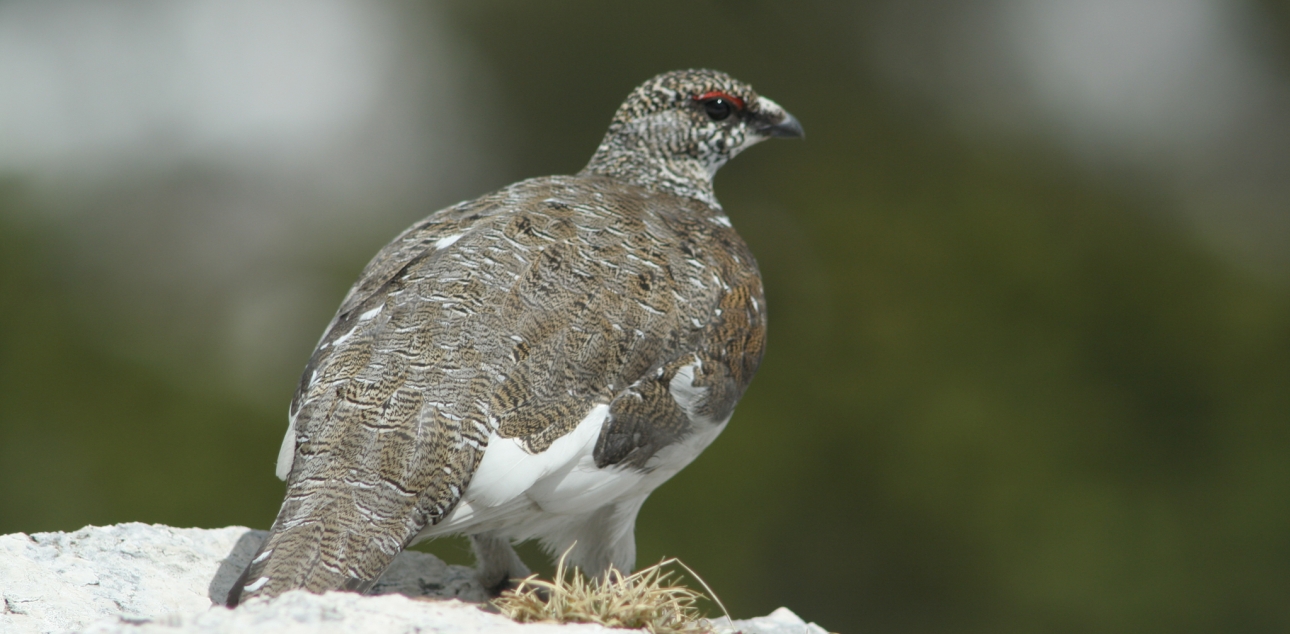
[
  {"x": 137, "y": 578},
  {"x": 781, "y": 621},
  {"x": 298, "y": 612}
]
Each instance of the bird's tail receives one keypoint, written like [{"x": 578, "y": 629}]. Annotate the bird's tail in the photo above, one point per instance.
[{"x": 319, "y": 542}]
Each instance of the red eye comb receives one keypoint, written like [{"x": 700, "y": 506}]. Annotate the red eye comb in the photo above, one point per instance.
[{"x": 717, "y": 94}]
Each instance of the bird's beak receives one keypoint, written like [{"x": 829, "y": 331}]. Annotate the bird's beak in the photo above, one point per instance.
[{"x": 773, "y": 121}]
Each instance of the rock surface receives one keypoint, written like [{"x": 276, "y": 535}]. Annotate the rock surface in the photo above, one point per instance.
[{"x": 137, "y": 578}]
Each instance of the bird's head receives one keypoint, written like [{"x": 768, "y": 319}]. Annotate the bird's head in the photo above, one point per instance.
[{"x": 674, "y": 131}]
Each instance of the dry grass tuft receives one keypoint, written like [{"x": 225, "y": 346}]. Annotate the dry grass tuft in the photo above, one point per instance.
[{"x": 647, "y": 599}]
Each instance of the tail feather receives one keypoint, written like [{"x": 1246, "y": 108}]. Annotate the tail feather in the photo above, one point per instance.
[
  {"x": 361, "y": 486},
  {"x": 321, "y": 552}
]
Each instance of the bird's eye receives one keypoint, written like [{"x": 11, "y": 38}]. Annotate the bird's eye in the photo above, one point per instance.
[{"x": 718, "y": 108}]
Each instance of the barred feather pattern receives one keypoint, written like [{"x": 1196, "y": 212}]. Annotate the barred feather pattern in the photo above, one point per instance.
[{"x": 511, "y": 316}]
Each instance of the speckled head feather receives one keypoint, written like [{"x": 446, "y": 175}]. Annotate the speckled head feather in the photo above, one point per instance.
[{"x": 676, "y": 130}]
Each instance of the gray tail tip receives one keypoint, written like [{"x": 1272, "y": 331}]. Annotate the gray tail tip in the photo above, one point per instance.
[{"x": 235, "y": 593}]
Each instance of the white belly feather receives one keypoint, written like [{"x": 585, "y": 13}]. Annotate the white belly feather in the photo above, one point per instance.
[{"x": 523, "y": 496}]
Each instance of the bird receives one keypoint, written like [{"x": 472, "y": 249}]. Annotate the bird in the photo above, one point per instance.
[{"x": 533, "y": 363}]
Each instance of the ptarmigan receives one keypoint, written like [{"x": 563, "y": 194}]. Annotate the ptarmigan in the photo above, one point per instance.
[{"x": 534, "y": 362}]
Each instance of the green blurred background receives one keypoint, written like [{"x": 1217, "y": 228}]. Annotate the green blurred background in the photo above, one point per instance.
[{"x": 1029, "y": 358}]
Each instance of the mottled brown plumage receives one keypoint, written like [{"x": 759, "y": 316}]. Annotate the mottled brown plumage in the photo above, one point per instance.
[{"x": 616, "y": 308}]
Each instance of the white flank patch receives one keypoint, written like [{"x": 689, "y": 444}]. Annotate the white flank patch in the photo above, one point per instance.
[
  {"x": 287, "y": 452},
  {"x": 447, "y": 241},
  {"x": 581, "y": 487},
  {"x": 371, "y": 313},
  {"x": 257, "y": 584},
  {"x": 722, "y": 220},
  {"x": 682, "y": 387},
  {"x": 507, "y": 471},
  {"x": 264, "y": 555}
]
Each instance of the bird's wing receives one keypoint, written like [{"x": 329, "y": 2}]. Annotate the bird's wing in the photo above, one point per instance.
[
  {"x": 512, "y": 315},
  {"x": 701, "y": 384}
]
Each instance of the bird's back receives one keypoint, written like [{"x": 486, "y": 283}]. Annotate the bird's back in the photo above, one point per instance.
[{"x": 510, "y": 316}]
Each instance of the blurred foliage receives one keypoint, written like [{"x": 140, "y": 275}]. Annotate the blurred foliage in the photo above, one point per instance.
[
  {"x": 87, "y": 436},
  {"x": 1002, "y": 394}
]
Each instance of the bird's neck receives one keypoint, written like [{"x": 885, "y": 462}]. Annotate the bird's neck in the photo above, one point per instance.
[{"x": 633, "y": 159}]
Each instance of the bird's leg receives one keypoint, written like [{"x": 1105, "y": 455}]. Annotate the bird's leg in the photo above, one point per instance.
[{"x": 496, "y": 562}]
